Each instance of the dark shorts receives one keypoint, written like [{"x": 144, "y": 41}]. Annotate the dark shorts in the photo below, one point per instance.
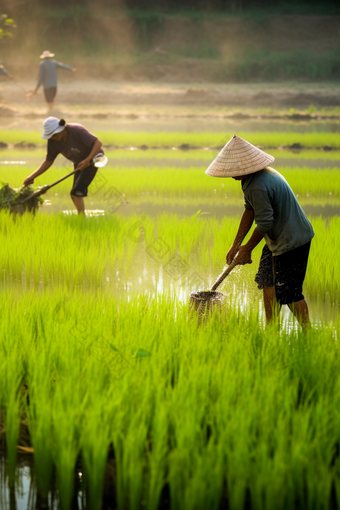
[
  {"x": 50, "y": 94},
  {"x": 286, "y": 272},
  {"x": 81, "y": 181}
]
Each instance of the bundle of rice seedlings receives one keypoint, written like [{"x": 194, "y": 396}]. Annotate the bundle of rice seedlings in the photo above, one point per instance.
[{"x": 11, "y": 199}]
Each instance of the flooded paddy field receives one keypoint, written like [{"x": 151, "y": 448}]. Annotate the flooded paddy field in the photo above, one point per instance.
[{"x": 112, "y": 394}]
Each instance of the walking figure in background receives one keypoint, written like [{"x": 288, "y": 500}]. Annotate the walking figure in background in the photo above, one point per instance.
[
  {"x": 279, "y": 218},
  {"x": 48, "y": 76},
  {"x": 4, "y": 72},
  {"x": 78, "y": 145}
]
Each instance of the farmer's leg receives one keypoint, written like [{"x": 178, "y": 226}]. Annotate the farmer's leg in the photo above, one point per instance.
[
  {"x": 290, "y": 269},
  {"x": 300, "y": 311},
  {"x": 265, "y": 280},
  {"x": 271, "y": 306},
  {"x": 79, "y": 203},
  {"x": 81, "y": 181},
  {"x": 50, "y": 94}
]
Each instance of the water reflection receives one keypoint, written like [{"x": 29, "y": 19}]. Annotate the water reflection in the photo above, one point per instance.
[
  {"x": 220, "y": 209},
  {"x": 24, "y": 496},
  {"x": 175, "y": 276}
]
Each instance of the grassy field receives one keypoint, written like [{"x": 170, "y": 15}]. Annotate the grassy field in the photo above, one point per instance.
[{"x": 105, "y": 371}]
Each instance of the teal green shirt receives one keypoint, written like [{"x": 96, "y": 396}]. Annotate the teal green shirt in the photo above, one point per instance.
[{"x": 278, "y": 215}]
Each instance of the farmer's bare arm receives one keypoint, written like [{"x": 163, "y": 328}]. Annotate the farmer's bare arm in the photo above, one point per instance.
[
  {"x": 245, "y": 225},
  {"x": 45, "y": 165},
  {"x": 244, "y": 252},
  {"x": 94, "y": 151}
]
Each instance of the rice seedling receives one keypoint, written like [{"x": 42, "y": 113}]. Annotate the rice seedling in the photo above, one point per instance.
[
  {"x": 228, "y": 413},
  {"x": 177, "y": 139},
  {"x": 115, "y": 185},
  {"x": 95, "y": 441},
  {"x": 148, "y": 158},
  {"x": 40, "y": 420},
  {"x": 124, "y": 253},
  {"x": 213, "y": 412}
]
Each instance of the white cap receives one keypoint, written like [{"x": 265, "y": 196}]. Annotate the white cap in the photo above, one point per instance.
[{"x": 51, "y": 126}]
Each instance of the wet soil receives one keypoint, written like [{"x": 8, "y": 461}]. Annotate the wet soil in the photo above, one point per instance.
[{"x": 128, "y": 100}]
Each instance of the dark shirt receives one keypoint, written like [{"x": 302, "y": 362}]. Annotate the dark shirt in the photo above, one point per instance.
[
  {"x": 77, "y": 146},
  {"x": 278, "y": 215}
]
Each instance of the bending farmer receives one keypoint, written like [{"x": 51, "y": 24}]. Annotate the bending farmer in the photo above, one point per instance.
[
  {"x": 78, "y": 145},
  {"x": 48, "y": 76},
  {"x": 268, "y": 200}
]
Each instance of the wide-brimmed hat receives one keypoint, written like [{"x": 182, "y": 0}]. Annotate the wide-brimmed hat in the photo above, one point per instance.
[
  {"x": 51, "y": 126},
  {"x": 47, "y": 54},
  {"x": 238, "y": 157}
]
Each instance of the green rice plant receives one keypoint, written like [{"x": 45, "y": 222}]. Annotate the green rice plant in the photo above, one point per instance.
[
  {"x": 95, "y": 440},
  {"x": 157, "y": 453},
  {"x": 177, "y": 139},
  {"x": 152, "y": 183},
  {"x": 50, "y": 250},
  {"x": 57, "y": 254},
  {"x": 219, "y": 409},
  {"x": 130, "y": 460},
  {"x": 137, "y": 157},
  {"x": 11, "y": 382},
  {"x": 322, "y": 271},
  {"x": 66, "y": 446},
  {"x": 39, "y": 414}
]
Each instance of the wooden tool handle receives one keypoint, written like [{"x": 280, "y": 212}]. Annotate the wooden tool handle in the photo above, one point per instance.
[
  {"x": 43, "y": 190},
  {"x": 224, "y": 274},
  {"x": 35, "y": 194}
]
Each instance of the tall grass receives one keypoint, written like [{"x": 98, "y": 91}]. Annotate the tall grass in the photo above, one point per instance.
[
  {"x": 228, "y": 413},
  {"x": 269, "y": 65}
]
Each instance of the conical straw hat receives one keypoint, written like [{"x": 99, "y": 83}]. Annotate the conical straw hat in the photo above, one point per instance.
[{"x": 238, "y": 157}]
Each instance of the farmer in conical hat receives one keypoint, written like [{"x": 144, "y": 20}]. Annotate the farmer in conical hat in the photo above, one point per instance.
[
  {"x": 78, "y": 145},
  {"x": 279, "y": 219},
  {"x": 48, "y": 78}
]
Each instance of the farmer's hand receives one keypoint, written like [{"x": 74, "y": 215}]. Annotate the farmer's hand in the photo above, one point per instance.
[
  {"x": 231, "y": 254},
  {"x": 243, "y": 256},
  {"x": 28, "y": 181},
  {"x": 83, "y": 164},
  {"x": 31, "y": 93}
]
